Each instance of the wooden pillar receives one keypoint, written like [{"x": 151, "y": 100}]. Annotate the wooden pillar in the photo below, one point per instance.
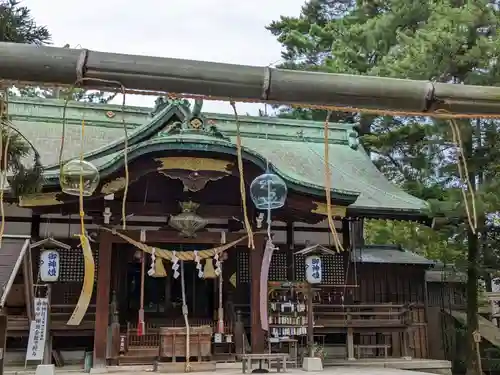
[
  {"x": 47, "y": 352},
  {"x": 310, "y": 320},
  {"x": 3, "y": 340},
  {"x": 257, "y": 334},
  {"x": 290, "y": 271},
  {"x": 346, "y": 237},
  {"x": 102, "y": 299},
  {"x": 350, "y": 338}
]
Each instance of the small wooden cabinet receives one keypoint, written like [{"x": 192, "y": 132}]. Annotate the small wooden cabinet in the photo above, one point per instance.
[{"x": 173, "y": 342}]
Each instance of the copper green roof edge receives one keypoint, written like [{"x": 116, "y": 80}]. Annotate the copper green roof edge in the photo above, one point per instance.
[
  {"x": 72, "y": 104},
  {"x": 204, "y": 145},
  {"x": 146, "y": 111},
  {"x": 273, "y": 120},
  {"x": 150, "y": 129},
  {"x": 389, "y": 254},
  {"x": 405, "y": 214},
  {"x": 155, "y": 125},
  {"x": 52, "y": 120},
  {"x": 137, "y": 135}
]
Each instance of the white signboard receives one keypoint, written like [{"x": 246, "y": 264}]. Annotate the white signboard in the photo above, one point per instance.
[
  {"x": 49, "y": 265},
  {"x": 38, "y": 331},
  {"x": 313, "y": 269}
]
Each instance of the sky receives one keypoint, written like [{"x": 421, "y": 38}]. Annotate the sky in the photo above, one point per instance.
[{"x": 230, "y": 31}]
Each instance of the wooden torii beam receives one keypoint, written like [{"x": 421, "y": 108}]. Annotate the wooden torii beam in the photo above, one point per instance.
[{"x": 63, "y": 66}]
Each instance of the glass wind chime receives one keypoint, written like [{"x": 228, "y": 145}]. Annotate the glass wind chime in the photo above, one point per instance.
[
  {"x": 79, "y": 177},
  {"x": 268, "y": 192}
]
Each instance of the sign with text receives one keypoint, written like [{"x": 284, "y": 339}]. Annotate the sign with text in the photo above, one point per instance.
[
  {"x": 49, "y": 265},
  {"x": 313, "y": 269},
  {"x": 38, "y": 331}
]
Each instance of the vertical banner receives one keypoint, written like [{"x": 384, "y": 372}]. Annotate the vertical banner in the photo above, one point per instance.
[{"x": 38, "y": 331}]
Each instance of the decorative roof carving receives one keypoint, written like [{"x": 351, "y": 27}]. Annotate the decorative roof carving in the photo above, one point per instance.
[{"x": 194, "y": 121}]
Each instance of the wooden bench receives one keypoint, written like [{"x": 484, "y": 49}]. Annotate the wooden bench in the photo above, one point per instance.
[
  {"x": 279, "y": 358},
  {"x": 359, "y": 348}
]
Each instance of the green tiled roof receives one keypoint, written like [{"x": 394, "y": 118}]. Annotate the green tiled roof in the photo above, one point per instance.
[
  {"x": 294, "y": 148},
  {"x": 392, "y": 254}
]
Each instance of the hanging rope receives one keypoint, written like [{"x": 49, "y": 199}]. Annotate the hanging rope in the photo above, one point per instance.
[
  {"x": 186, "y": 319},
  {"x": 123, "y": 91},
  {"x": 140, "y": 323},
  {"x": 463, "y": 172},
  {"x": 80, "y": 200},
  {"x": 248, "y": 225},
  {"x": 2, "y": 185},
  {"x": 4, "y": 149},
  {"x": 328, "y": 181},
  {"x": 125, "y": 159}
]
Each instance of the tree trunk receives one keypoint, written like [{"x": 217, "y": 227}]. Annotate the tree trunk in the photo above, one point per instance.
[{"x": 473, "y": 250}]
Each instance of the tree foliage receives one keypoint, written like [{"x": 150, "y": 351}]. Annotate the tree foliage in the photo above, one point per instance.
[
  {"x": 453, "y": 41},
  {"x": 18, "y": 26},
  {"x": 77, "y": 94}
]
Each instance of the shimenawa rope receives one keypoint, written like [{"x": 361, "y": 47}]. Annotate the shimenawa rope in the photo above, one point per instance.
[{"x": 248, "y": 225}]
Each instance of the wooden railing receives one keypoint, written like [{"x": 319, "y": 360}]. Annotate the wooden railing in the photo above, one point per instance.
[
  {"x": 369, "y": 317},
  {"x": 59, "y": 315},
  {"x": 129, "y": 340}
]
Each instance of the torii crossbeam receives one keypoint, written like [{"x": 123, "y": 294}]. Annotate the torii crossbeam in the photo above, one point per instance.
[{"x": 63, "y": 66}]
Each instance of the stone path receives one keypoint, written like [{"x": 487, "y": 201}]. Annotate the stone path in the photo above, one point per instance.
[{"x": 341, "y": 370}]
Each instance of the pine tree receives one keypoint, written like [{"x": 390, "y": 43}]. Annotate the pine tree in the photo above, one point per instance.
[
  {"x": 18, "y": 26},
  {"x": 439, "y": 40}
]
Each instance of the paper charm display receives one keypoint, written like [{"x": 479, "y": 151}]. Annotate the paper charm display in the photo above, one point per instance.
[
  {"x": 151, "y": 270},
  {"x": 199, "y": 267},
  {"x": 175, "y": 264},
  {"x": 218, "y": 264}
]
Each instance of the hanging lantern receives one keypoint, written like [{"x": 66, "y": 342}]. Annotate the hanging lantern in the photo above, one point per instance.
[
  {"x": 209, "y": 271},
  {"x": 268, "y": 192},
  {"x": 49, "y": 265},
  {"x": 313, "y": 269},
  {"x": 71, "y": 173},
  {"x": 188, "y": 222}
]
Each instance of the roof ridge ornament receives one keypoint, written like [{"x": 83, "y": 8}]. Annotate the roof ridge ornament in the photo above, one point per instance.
[{"x": 194, "y": 121}]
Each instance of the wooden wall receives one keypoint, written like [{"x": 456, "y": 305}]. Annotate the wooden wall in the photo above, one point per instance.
[
  {"x": 446, "y": 295},
  {"x": 67, "y": 290},
  {"x": 397, "y": 284},
  {"x": 376, "y": 283}
]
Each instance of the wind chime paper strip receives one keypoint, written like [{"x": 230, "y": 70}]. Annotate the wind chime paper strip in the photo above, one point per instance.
[
  {"x": 264, "y": 275},
  {"x": 88, "y": 284},
  {"x": 182, "y": 255}
]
